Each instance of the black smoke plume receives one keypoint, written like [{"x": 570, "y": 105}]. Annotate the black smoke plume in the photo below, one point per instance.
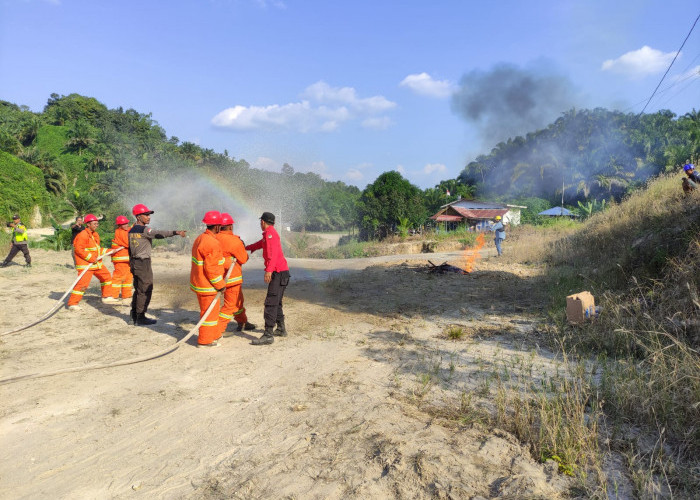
[{"x": 508, "y": 101}]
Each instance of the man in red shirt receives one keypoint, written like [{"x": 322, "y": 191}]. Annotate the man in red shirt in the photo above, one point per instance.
[{"x": 276, "y": 277}]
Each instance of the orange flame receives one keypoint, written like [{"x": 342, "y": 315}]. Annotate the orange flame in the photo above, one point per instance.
[{"x": 471, "y": 255}]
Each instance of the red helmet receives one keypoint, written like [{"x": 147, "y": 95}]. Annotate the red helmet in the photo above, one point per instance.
[
  {"x": 212, "y": 218},
  {"x": 226, "y": 219},
  {"x": 121, "y": 220},
  {"x": 89, "y": 218},
  {"x": 141, "y": 209}
]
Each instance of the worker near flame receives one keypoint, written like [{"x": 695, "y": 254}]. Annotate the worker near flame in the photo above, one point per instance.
[
  {"x": 692, "y": 179},
  {"x": 234, "y": 255},
  {"x": 207, "y": 278},
  {"x": 276, "y": 277},
  {"x": 140, "y": 247},
  {"x": 499, "y": 233},
  {"x": 87, "y": 251},
  {"x": 122, "y": 278}
]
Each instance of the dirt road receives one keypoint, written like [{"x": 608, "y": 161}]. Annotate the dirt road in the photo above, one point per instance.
[{"x": 355, "y": 403}]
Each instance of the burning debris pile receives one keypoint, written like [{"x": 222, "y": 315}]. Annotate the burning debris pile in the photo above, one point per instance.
[
  {"x": 443, "y": 268},
  {"x": 471, "y": 255}
]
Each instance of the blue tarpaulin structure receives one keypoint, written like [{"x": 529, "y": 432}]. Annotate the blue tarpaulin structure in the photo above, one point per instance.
[{"x": 557, "y": 212}]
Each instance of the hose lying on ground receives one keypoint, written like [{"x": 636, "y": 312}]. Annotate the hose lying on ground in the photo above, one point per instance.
[
  {"x": 59, "y": 303},
  {"x": 131, "y": 361}
]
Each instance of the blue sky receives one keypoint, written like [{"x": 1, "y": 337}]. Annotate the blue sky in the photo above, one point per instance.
[{"x": 351, "y": 89}]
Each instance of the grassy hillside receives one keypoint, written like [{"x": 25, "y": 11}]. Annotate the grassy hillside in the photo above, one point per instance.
[
  {"x": 51, "y": 140},
  {"x": 641, "y": 259},
  {"x": 22, "y": 189}
]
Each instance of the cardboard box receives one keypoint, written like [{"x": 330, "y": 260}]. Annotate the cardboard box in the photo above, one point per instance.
[{"x": 580, "y": 307}]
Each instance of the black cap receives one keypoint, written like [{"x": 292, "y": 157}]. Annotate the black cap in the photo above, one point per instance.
[
  {"x": 268, "y": 217},
  {"x": 16, "y": 217}
]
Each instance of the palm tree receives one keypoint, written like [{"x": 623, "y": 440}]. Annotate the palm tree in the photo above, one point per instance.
[
  {"x": 55, "y": 178},
  {"x": 28, "y": 130},
  {"x": 80, "y": 136},
  {"x": 102, "y": 158}
]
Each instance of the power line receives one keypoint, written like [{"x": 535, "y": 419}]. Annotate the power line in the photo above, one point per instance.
[
  {"x": 693, "y": 80},
  {"x": 669, "y": 66},
  {"x": 666, "y": 89}
]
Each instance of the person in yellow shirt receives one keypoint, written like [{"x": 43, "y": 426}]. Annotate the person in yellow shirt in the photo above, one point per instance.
[{"x": 19, "y": 242}]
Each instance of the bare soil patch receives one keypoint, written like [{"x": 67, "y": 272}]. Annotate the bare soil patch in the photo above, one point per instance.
[{"x": 358, "y": 402}]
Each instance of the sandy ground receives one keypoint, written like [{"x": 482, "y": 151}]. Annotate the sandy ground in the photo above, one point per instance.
[{"x": 355, "y": 403}]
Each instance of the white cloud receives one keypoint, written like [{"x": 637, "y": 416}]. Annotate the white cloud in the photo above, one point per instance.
[
  {"x": 431, "y": 168},
  {"x": 324, "y": 109},
  {"x": 354, "y": 174},
  {"x": 424, "y": 84},
  {"x": 323, "y": 93},
  {"x": 638, "y": 63},
  {"x": 400, "y": 169},
  {"x": 265, "y": 163},
  {"x": 320, "y": 168}
]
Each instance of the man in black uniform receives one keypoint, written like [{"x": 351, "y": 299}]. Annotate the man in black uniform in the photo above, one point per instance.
[
  {"x": 75, "y": 230},
  {"x": 140, "y": 246}
]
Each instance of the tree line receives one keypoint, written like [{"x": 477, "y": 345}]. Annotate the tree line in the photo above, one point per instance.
[{"x": 89, "y": 156}]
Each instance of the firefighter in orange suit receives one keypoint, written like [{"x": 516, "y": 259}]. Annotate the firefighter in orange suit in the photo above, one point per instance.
[
  {"x": 87, "y": 249},
  {"x": 207, "y": 278},
  {"x": 235, "y": 255},
  {"x": 122, "y": 278}
]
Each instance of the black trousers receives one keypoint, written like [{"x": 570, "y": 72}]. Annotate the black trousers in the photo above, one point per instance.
[
  {"x": 273, "y": 300},
  {"x": 143, "y": 285},
  {"x": 15, "y": 249}
]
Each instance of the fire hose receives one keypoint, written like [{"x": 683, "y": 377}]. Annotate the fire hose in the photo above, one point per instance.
[
  {"x": 147, "y": 357},
  {"x": 59, "y": 302}
]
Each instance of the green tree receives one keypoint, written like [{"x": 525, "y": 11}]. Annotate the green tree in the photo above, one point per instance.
[
  {"x": 287, "y": 169},
  {"x": 385, "y": 202},
  {"x": 79, "y": 136}
]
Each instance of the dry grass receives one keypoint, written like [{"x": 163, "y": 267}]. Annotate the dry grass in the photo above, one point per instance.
[
  {"x": 628, "y": 391},
  {"x": 640, "y": 398},
  {"x": 642, "y": 260}
]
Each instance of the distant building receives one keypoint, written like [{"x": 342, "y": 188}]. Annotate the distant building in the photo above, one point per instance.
[
  {"x": 476, "y": 214},
  {"x": 557, "y": 212}
]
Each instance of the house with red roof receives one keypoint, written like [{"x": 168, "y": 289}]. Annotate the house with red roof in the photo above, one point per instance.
[{"x": 476, "y": 214}]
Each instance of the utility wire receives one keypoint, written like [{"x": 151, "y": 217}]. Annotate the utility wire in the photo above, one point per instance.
[
  {"x": 692, "y": 76},
  {"x": 669, "y": 66},
  {"x": 694, "y": 80}
]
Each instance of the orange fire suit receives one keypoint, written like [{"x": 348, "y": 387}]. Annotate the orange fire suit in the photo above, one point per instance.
[
  {"x": 122, "y": 279},
  {"x": 86, "y": 249},
  {"x": 234, "y": 254},
  {"x": 206, "y": 279}
]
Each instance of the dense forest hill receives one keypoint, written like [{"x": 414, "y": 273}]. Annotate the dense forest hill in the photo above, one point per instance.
[
  {"x": 77, "y": 156},
  {"x": 93, "y": 159},
  {"x": 590, "y": 154}
]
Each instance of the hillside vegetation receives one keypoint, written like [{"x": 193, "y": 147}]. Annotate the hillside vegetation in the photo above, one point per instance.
[
  {"x": 95, "y": 159},
  {"x": 589, "y": 154},
  {"x": 641, "y": 260},
  {"x": 22, "y": 189}
]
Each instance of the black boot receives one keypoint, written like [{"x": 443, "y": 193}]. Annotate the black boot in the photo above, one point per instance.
[
  {"x": 267, "y": 337},
  {"x": 248, "y": 326},
  {"x": 280, "y": 331},
  {"x": 142, "y": 320},
  {"x": 133, "y": 316}
]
